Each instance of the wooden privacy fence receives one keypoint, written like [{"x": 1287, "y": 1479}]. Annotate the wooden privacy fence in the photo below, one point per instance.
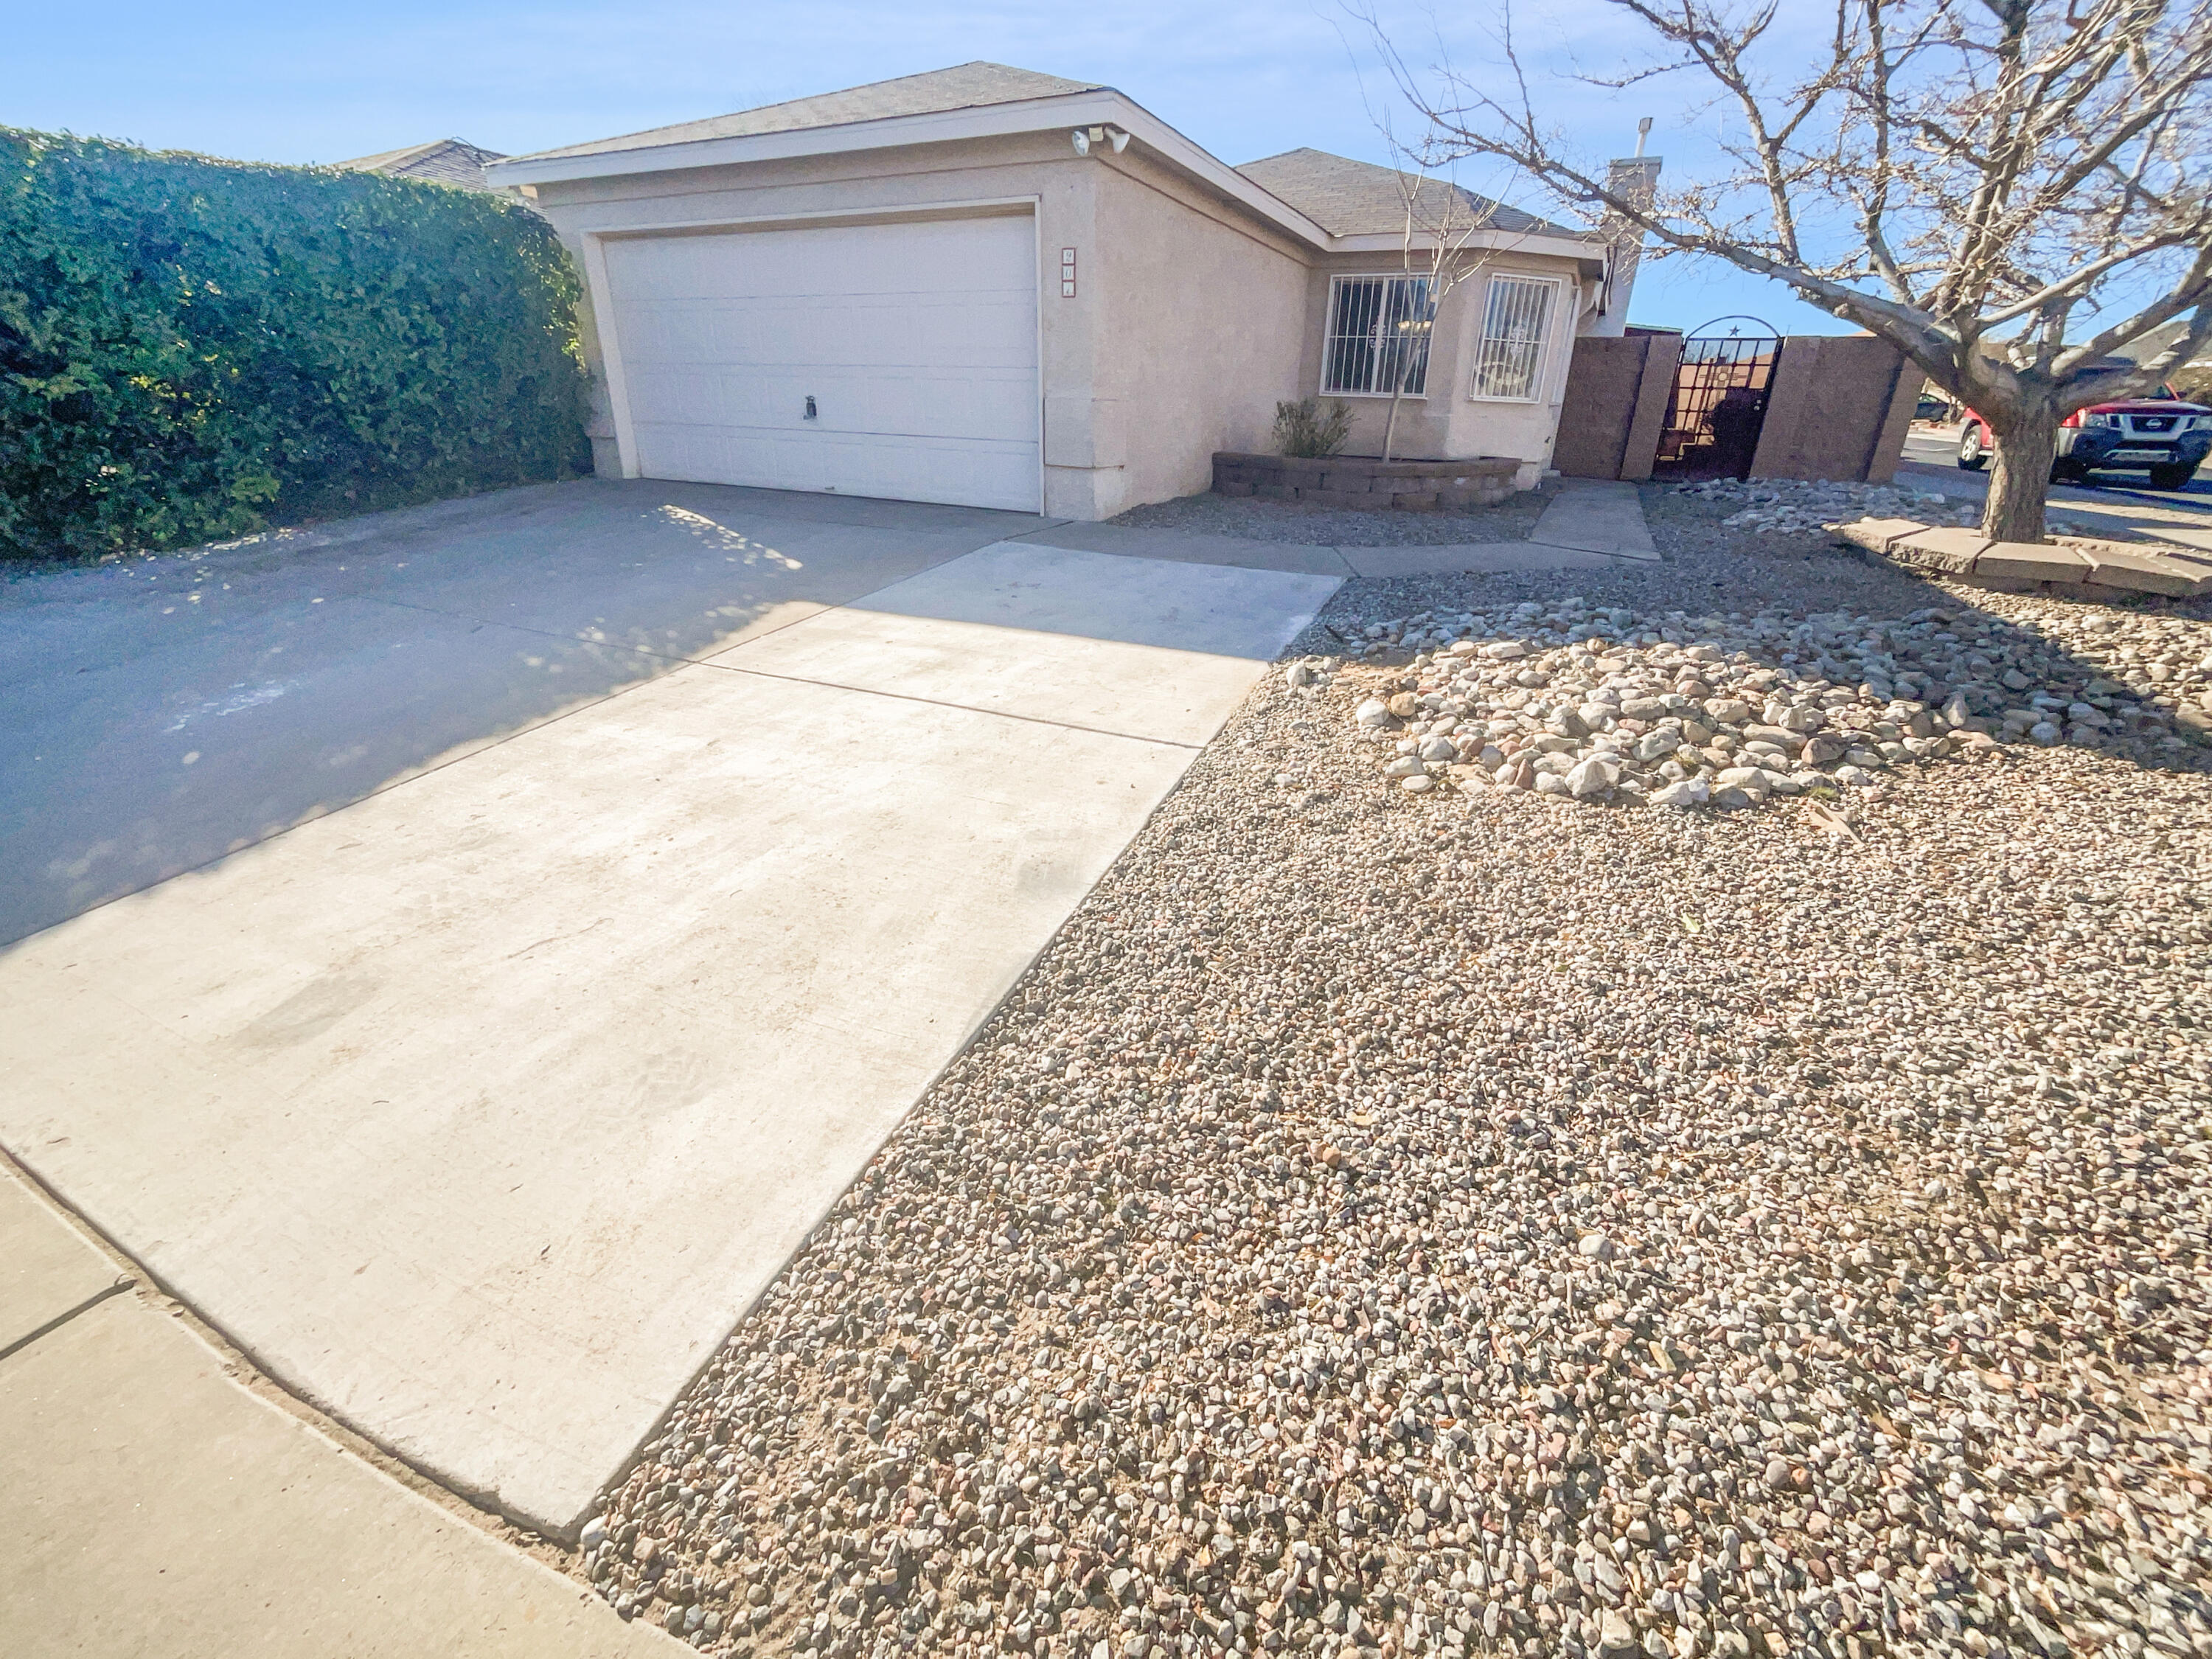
[{"x": 1834, "y": 406}]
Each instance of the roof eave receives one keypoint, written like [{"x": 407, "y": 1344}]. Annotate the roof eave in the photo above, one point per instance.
[
  {"x": 1095, "y": 107},
  {"x": 1587, "y": 251}
]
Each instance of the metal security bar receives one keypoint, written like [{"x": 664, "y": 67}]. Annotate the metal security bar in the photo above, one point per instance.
[
  {"x": 1718, "y": 404},
  {"x": 1509, "y": 361},
  {"x": 1378, "y": 328}
]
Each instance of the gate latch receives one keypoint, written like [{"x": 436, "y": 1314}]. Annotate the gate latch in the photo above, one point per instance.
[{"x": 810, "y": 406}]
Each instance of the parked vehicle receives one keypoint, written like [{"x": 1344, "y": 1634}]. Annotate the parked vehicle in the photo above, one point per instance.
[{"x": 2162, "y": 435}]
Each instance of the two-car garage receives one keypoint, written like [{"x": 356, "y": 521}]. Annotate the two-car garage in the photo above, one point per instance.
[{"x": 891, "y": 359}]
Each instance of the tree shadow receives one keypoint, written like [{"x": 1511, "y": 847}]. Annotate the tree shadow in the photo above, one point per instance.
[{"x": 163, "y": 712}]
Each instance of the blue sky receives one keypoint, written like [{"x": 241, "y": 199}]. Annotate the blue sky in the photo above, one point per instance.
[{"x": 283, "y": 83}]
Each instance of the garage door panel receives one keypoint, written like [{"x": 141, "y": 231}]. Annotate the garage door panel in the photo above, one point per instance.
[
  {"x": 869, "y": 330},
  {"x": 1001, "y": 476},
  {"x": 939, "y": 255},
  {"x": 913, "y": 404},
  {"x": 917, "y": 342}
]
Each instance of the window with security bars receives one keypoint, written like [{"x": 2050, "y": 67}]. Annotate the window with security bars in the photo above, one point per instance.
[
  {"x": 1378, "y": 330},
  {"x": 1508, "y": 362}
]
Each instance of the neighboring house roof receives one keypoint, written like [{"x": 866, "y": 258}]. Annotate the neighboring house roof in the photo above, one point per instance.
[
  {"x": 1358, "y": 199},
  {"x": 965, "y": 86},
  {"x": 2164, "y": 337},
  {"x": 442, "y": 161}
]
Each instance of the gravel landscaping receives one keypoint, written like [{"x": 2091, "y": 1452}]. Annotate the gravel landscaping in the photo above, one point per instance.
[
  {"x": 1602, "y": 704},
  {"x": 1799, "y": 505},
  {"x": 1474, "y": 1222},
  {"x": 1252, "y": 519}
]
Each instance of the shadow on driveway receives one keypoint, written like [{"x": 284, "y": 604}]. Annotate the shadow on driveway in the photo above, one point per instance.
[{"x": 160, "y": 712}]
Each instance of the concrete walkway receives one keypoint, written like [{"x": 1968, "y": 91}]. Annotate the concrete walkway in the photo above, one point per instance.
[
  {"x": 156, "y": 1510},
  {"x": 479, "y": 1110},
  {"x": 1590, "y": 525},
  {"x": 1591, "y": 516}
]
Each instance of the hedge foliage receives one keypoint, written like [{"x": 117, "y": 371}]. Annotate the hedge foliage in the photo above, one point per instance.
[{"x": 191, "y": 349}]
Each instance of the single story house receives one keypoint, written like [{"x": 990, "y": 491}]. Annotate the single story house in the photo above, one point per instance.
[{"x": 997, "y": 288}]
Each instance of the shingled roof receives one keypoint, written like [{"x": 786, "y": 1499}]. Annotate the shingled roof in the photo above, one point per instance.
[
  {"x": 1357, "y": 199},
  {"x": 965, "y": 86},
  {"x": 442, "y": 161}
]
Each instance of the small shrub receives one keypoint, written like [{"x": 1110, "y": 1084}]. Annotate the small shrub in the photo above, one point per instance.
[
  {"x": 1305, "y": 428},
  {"x": 191, "y": 349}
]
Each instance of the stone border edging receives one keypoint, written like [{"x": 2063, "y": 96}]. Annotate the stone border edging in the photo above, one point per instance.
[{"x": 1969, "y": 557}]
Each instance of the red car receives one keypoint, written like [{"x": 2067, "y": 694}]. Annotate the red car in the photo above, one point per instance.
[{"x": 2161, "y": 435}]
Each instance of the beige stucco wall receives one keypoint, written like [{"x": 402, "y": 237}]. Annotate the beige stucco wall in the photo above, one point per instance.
[
  {"x": 1181, "y": 337},
  {"x": 1449, "y": 423},
  {"x": 1198, "y": 311}
]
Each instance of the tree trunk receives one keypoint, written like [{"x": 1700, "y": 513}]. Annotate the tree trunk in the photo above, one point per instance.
[
  {"x": 1390, "y": 426},
  {"x": 2020, "y": 475}
]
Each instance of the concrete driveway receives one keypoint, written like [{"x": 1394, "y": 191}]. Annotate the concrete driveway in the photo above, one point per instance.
[
  {"x": 161, "y": 712},
  {"x": 660, "y": 845}
]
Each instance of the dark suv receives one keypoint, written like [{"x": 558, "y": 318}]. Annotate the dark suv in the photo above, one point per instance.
[{"x": 2161, "y": 435}]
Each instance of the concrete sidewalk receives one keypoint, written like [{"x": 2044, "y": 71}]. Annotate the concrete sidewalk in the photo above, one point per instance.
[
  {"x": 1590, "y": 526},
  {"x": 156, "y": 1510},
  {"x": 1592, "y": 516},
  {"x": 480, "y": 1111}
]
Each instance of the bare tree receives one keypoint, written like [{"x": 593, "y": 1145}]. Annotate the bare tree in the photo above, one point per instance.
[
  {"x": 1441, "y": 221},
  {"x": 2009, "y": 191}
]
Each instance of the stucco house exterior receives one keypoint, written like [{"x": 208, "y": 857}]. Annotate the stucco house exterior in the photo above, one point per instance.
[{"x": 988, "y": 286}]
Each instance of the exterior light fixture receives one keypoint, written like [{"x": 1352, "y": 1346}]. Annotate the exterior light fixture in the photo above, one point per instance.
[{"x": 1083, "y": 137}]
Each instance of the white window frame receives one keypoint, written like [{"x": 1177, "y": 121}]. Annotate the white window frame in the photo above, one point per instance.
[
  {"x": 1540, "y": 375},
  {"x": 1329, "y": 337}
]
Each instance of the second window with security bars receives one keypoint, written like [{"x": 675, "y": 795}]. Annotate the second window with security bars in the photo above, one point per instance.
[
  {"x": 1508, "y": 362},
  {"x": 1378, "y": 330}
]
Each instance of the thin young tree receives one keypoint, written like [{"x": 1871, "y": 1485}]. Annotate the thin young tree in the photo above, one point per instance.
[
  {"x": 1442, "y": 220},
  {"x": 2009, "y": 191}
]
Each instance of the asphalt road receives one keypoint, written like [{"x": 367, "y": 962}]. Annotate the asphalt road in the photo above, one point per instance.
[{"x": 2116, "y": 503}]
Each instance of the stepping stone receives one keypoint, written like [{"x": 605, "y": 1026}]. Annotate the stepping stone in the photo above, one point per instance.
[
  {"x": 1876, "y": 535},
  {"x": 2145, "y": 573},
  {"x": 1947, "y": 549},
  {"x": 2031, "y": 562}
]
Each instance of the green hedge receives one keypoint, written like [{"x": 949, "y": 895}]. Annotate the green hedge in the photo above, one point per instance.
[{"x": 192, "y": 349}]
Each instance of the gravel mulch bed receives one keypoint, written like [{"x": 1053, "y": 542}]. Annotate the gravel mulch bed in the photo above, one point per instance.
[
  {"x": 1799, "y": 505},
  {"x": 1599, "y": 703},
  {"x": 1254, "y": 520},
  {"x": 1483, "y": 1223}
]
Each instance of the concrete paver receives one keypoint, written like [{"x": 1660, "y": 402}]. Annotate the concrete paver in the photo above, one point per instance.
[
  {"x": 478, "y": 1111},
  {"x": 155, "y": 1510},
  {"x": 1593, "y": 516}
]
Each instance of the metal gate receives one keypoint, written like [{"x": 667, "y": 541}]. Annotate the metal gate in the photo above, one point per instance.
[{"x": 1719, "y": 401}]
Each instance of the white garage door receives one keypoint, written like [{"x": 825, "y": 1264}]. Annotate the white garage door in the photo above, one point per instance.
[{"x": 915, "y": 343}]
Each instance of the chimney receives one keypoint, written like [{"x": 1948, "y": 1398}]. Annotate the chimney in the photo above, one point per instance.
[{"x": 1635, "y": 178}]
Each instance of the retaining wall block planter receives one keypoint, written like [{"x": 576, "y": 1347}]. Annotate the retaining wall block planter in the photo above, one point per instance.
[{"x": 1364, "y": 483}]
